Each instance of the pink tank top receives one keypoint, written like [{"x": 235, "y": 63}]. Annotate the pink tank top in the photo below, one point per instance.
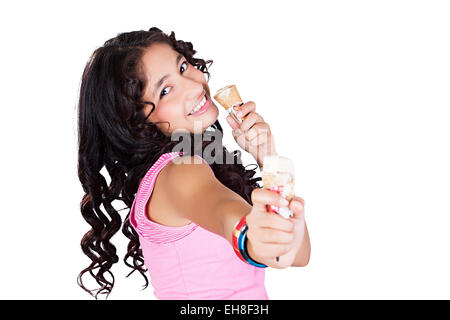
[{"x": 190, "y": 262}]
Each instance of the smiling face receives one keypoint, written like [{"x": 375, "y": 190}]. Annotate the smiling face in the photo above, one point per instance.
[{"x": 179, "y": 91}]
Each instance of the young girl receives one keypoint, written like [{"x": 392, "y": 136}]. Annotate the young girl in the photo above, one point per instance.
[{"x": 199, "y": 227}]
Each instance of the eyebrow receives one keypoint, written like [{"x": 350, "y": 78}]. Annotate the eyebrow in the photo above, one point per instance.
[{"x": 163, "y": 78}]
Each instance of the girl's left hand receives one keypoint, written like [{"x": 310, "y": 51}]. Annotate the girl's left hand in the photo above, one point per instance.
[{"x": 253, "y": 134}]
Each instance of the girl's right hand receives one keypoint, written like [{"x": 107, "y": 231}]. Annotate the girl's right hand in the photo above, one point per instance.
[{"x": 269, "y": 235}]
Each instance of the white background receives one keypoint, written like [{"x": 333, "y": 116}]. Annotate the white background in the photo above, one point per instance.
[{"x": 356, "y": 92}]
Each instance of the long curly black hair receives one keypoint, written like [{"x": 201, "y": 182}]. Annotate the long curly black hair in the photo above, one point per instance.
[{"x": 113, "y": 132}]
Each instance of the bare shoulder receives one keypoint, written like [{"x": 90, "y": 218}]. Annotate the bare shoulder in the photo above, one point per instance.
[
  {"x": 176, "y": 181},
  {"x": 189, "y": 171}
]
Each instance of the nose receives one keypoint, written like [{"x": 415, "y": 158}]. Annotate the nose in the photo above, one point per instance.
[{"x": 194, "y": 90}]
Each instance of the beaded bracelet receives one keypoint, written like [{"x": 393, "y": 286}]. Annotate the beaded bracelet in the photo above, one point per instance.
[{"x": 240, "y": 243}]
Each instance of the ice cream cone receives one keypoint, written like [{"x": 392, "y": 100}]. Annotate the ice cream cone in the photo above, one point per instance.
[
  {"x": 278, "y": 175},
  {"x": 228, "y": 97}
]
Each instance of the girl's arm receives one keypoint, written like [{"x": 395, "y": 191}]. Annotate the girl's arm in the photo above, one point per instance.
[{"x": 193, "y": 192}]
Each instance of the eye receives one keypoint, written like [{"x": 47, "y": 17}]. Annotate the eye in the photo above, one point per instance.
[
  {"x": 181, "y": 68},
  {"x": 162, "y": 92}
]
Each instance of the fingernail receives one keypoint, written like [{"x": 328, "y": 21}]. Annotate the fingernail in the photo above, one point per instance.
[
  {"x": 237, "y": 108},
  {"x": 284, "y": 202},
  {"x": 237, "y": 132},
  {"x": 239, "y": 113}
]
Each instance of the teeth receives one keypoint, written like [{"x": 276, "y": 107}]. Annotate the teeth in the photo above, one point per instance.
[{"x": 199, "y": 105}]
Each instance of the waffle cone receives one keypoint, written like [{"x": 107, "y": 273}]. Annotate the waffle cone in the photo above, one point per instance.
[{"x": 228, "y": 96}]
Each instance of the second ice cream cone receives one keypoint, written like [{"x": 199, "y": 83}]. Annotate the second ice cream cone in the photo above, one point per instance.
[{"x": 278, "y": 175}]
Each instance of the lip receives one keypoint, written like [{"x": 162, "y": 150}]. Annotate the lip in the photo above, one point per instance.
[{"x": 202, "y": 109}]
